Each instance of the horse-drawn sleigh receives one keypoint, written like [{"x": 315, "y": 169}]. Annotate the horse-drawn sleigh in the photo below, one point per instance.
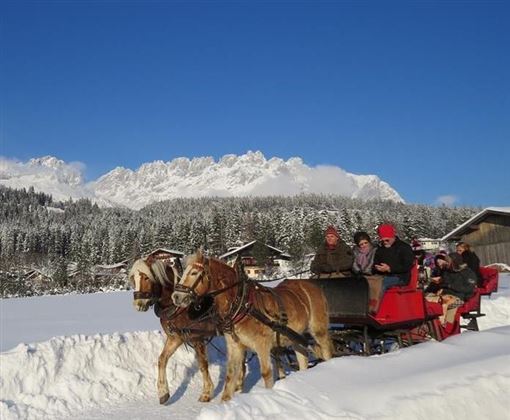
[{"x": 318, "y": 318}]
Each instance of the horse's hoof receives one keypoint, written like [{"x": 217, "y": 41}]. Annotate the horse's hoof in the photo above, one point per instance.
[
  {"x": 225, "y": 398},
  {"x": 204, "y": 398},
  {"x": 164, "y": 398}
]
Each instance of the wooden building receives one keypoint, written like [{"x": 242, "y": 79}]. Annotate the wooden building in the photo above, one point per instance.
[
  {"x": 488, "y": 233},
  {"x": 38, "y": 277},
  {"x": 111, "y": 270},
  {"x": 430, "y": 245},
  {"x": 165, "y": 254},
  {"x": 257, "y": 258}
]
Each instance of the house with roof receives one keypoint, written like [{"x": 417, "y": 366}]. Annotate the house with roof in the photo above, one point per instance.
[
  {"x": 38, "y": 277},
  {"x": 108, "y": 274},
  {"x": 488, "y": 233},
  {"x": 165, "y": 254},
  {"x": 257, "y": 258},
  {"x": 430, "y": 244}
]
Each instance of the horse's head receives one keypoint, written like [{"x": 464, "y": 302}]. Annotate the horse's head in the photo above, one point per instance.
[
  {"x": 148, "y": 277},
  {"x": 194, "y": 282}
]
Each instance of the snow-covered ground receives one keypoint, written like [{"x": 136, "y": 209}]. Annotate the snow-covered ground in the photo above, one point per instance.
[{"x": 94, "y": 357}]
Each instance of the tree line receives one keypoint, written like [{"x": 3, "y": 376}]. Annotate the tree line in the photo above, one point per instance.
[{"x": 37, "y": 232}]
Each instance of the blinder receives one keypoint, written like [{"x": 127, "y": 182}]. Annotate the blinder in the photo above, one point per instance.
[
  {"x": 142, "y": 295},
  {"x": 153, "y": 295}
]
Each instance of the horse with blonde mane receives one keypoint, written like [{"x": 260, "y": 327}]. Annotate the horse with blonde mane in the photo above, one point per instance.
[
  {"x": 256, "y": 317},
  {"x": 153, "y": 282}
]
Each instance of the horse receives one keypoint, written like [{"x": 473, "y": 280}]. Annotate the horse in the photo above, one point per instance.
[
  {"x": 153, "y": 283},
  {"x": 252, "y": 316}
]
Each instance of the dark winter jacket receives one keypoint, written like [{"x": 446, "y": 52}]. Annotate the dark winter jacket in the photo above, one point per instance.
[
  {"x": 458, "y": 283},
  {"x": 473, "y": 262},
  {"x": 399, "y": 257},
  {"x": 367, "y": 268},
  {"x": 337, "y": 260}
]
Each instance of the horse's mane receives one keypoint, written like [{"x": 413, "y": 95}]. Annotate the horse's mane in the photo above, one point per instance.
[{"x": 158, "y": 268}]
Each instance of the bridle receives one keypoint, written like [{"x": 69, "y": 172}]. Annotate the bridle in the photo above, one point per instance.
[
  {"x": 239, "y": 305},
  {"x": 190, "y": 290},
  {"x": 155, "y": 294}
]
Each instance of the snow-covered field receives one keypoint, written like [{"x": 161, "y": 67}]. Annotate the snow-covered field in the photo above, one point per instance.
[{"x": 94, "y": 357}]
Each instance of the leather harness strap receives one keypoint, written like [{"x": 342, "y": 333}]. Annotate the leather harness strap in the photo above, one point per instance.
[{"x": 300, "y": 343}]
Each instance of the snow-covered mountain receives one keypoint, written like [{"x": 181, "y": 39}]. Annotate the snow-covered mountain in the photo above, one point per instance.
[
  {"x": 49, "y": 175},
  {"x": 232, "y": 175}
]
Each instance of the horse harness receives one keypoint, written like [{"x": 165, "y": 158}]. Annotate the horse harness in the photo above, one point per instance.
[
  {"x": 167, "y": 314},
  {"x": 152, "y": 296},
  {"x": 244, "y": 304}
]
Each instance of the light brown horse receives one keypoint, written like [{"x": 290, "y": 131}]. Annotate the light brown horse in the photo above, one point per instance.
[
  {"x": 240, "y": 303},
  {"x": 153, "y": 282}
]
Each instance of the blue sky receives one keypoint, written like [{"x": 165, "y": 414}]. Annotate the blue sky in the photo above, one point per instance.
[{"x": 417, "y": 93}]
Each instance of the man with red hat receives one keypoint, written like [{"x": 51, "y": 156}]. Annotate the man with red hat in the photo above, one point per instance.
[
  {"x": 334, "y": 257},
  {"x": 393, "y": 258}
]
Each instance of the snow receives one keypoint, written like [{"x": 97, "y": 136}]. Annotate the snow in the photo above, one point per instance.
[
  {"x": 416, "y": 383},
  {"x": 93, "y": 356},
  {"x": 27, "y": 320}
]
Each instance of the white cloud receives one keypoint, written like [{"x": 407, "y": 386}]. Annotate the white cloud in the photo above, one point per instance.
[
  {"x": 447, "y": 200},
  {"x": 46, "y": 174},
  {"x": 300, "y": 178}
]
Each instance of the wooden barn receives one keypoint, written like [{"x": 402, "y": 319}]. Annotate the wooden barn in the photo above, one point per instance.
[
  {"x": 257, "y": 257},
  {"x": 488, "y": 233}
]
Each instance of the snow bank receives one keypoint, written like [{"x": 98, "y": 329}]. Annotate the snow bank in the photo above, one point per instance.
[
  {"x": 25, "y": 320},
  {"x": 497, "y": 307},
  {"x": 467, "y": 376},
  {"x": 68, "y": 374}
]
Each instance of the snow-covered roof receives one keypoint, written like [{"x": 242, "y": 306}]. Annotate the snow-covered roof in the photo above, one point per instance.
[
  {"x": 169, "y": 251},
  {"x": 476, "y": 219},
  {"x": 249, "y": 244},
  {"x": 116, "y": 265},
  {"x": 35, "y": 272}
]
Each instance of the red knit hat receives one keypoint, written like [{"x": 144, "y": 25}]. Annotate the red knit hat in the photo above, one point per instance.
[
  {"x": 386, "y": 231},
  {"x": 332, "y": 231}
]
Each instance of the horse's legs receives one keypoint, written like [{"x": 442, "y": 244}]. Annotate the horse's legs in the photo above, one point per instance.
[
  {"x": 203, "y": 364},
  {"x": 302, "y": 360},
  {"x": 319, "y": 323},
  {"x": 172, "y": 343},
  {"x": 277, "y": 356},
  {"x": 324, "y": 348},
  {"x": 264, "y": 353},
  {"x": 319, "y": 331},
  {"x": 235, "y": 358},
  {"x": 242, "y": 374}
]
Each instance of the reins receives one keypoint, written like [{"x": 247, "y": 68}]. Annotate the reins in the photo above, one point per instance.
[{"x": 283, "y": 277}]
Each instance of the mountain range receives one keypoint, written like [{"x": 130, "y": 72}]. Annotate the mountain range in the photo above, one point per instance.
[{"x": 232, "y": 175}]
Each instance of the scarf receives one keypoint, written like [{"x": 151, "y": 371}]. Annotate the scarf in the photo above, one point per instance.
[{"x": 362, "y": 258}]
